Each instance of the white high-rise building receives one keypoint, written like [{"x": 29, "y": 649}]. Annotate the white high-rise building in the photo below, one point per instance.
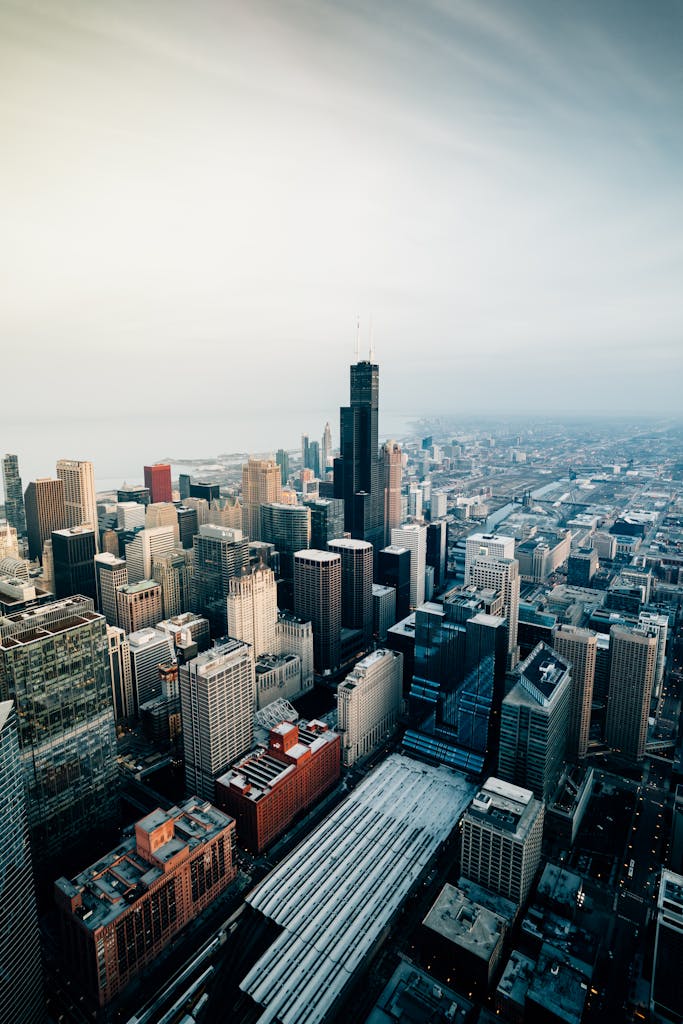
[
  {"x": 217, "y": 703},
  {"x": 415, "y": 502},
  {"x": 502, "y": 830},
  {"x": 110, "y": 572},
  {"x": 326, "y": 450},
  {"x": 500, "y": 573},
  {"x": 295, "y": 636},
  {"x": 130, "y": 515},
  {"x": 414, "y": 537},
  {"x": 80, "y": 500},
  {"x": 438, "y": 505},
  {"x": 487, "y": 545},
  {"x": 369, "y": 703},
  {"x": 9, "y": 545},
  {"x": 252, "y": 610},
  {"x": 144, "y": 548},
  {"x": 148, "y": 648}
]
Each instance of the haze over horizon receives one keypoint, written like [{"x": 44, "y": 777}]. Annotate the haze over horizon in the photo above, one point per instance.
[{"x": 200, "y": 200}]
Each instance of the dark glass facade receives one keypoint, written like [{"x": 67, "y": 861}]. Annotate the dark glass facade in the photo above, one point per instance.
[{"x": 356, "y": 471}]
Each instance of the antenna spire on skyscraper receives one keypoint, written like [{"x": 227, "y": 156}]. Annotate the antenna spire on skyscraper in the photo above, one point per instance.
[
  {"x": 358, "y": 339},
  {"x": 372, "y": 345}
]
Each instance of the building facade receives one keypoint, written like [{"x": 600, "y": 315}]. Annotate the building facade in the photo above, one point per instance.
[
  {"x": 578, "y": 646},
  {"x": 118, "y": 915},
  {"x": 54, "y": 665},
  {"x": 110, "y": 572},
  {"x": 356, "y": 583},
  {"x": 633, "y": 661},
  {"x": 317, "y": 599},
  {"x": 217, "y": 705},
  {"x": 158, "y": 482},
  {"x": 73, "y": 554},
  {"x": 261, "y": 484},
  {"x": 502, "y": 830},
  {"x": 252, "y": 610},
  {"x": 21, "y": 986},
  {"x": 138, "y": 605},
  {"x": 356, "y": 471},
  {"x": 14, "y": 495},
  {"x": 80, "y": 499},
  {"x": 45, "y": 512},
  {"x": 369, "y": 703},
  {"x": 266, "y": 790},
  {"x": 414, "y": 537}
]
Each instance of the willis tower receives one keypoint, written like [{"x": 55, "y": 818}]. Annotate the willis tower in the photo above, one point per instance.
[{"x": 357, "y": 470}]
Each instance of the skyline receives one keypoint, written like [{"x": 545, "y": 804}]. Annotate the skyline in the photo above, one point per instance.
[{"x": 494, "y": 189}]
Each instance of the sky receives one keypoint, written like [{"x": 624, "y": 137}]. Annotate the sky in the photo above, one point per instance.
[{"x": 199, "y": 200}]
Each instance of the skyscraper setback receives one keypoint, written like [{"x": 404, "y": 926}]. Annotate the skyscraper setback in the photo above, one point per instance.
[{"x": 356, "y": 471}]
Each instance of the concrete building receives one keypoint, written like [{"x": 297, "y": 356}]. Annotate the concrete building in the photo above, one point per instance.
[
  {"x": 187, "y": 630},
  {"x": 147, "y": 545},
  {"x": 295, "y": 636},
  {"x": 487, "y": 545},
  {"x": 217, "y": 705},
  {"x": 9, "y": 544},
  {"x": 369, "y": 703},
  {"x": 22, "y": 998},
  {"x": 667, "y": 990},
  {"x": 657, "y": 626},
  {"x": 122, "y": 689},
  {"x": 502, "y": 831},
  {"x": 356, "y": 582},
  {"x": 581, "y": 568},
  {"x": 162, "y": 513},
  {"x": 130, "y": 515},
  {"x": 501, "y": 574},
  {"x": 173, "y": 572},
  {"x": 261, "y": 484},
  {"x": 73, "y": 553},
  {"x": 278, "y": 676},
  {"x": 45, "y": 512},
  {"x": 80, "y": 499},
  {"x": 542, "y": 554},
  {"x": 633, "y": 660},
  {"x": 14, "y": 497},
  {"x": 462, "y": 941},
  {"x": 438, "y": 505},
  {"x": 534, "y": 721},
  {"x": 414, "y": 537},
  {"x": 383, "y": 610},
  {"x": 118, "y": 915},
  {"x": 317, "y": 599},
  {"x": 110, "y": 573},
  {"x": 138, "y": 605},
  {"x": 266, "y": 790},
  {"x": 158, "y": 482},
  {"x": 579, "y": 647},
  {"x": 566, "y": 808},
  {"x": 252, "y": 610},
  {"x": 55, "y": 656},
  {"x": 219, "y": 556},
  {"x": 148, "y": 648}
]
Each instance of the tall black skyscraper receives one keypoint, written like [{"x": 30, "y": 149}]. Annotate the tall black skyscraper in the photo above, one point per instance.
[
  {"x": 356, "y": 471},
  {"x": 14, "y": 495}
]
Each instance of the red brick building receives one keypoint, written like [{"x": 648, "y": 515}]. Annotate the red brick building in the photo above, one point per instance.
[
  {"x": 120, "y": 913},
  {"x": 265, "y": 791},
  {"x": 158, "y": 480}
]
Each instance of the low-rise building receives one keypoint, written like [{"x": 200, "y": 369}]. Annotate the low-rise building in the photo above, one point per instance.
[
  {"x": 117, "y": 915},
  {"x": 266, "y": 790},
  {"x": 462, "y": 940}
]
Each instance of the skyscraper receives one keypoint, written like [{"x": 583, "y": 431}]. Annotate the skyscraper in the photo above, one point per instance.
[
  {"x": 502, "y": 830},
  {"x": 252, "y": 610},
  {"x": 14, "y": 497},
  {"x": 288, "y": 527},
  {"x": 73, "y": 552},
  {"x": 487, "y": 545},
  {"x": 369, "y": 702},
  {"x": 56, "y": 657},
  {"x": 437, "y": 533},
  {"x": 414, "y": 537},
  {"x": 356, "y": 582},
  {"x": 633, "y": 659},
  {"x": 356, "y": 471},
  {"x": 282, "y": 459},
  {"x": 261, "y": 483},
  {"x": 217, "y": 701},
  {"x": 317, "y": 599},
  {"x": 158, "y": 480},
  {"x": 327, "y": 521},
  {"x": 21, "y": 985},
  {"x": 391, "y": 471},
  {"x": 45, "y": 512},
  {"x": 145, "y": 546},
  {"x": 326, "y": 450},
  {"x": 578, "y": 646},
  {"x": 219, "y": 555},
  {"x": 173, "y": 572},
  {"x": 110, "y": 572},
  {"x": 162, "y": 513},
  {"x": 502, "y": 574},
  {"x": 667, "y": 991},
  {"x": 138, "y": 605},
  {"x": 533, "y": 725},
  {"x": 80, "y": 500}
]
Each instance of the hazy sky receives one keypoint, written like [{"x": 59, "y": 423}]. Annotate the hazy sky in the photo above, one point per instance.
[{"x": 200, "y": 198}]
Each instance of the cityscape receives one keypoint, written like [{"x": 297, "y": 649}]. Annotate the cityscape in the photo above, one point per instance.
[
  {"x": 341, "y": 512},
  {"x": 371, "y": 730}
]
